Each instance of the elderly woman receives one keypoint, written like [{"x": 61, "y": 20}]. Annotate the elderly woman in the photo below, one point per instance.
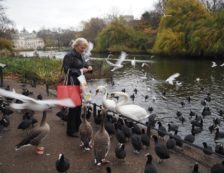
[{"x": 74, "y": 62}]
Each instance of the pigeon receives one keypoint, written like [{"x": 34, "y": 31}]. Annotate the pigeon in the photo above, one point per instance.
[
  {"x": 118, "y": 64},
  {"x": 33, "y": 104},
  {"x": 171, "y": 79}
]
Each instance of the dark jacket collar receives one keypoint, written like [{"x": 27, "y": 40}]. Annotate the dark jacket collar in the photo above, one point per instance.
[{"x": 76, "y": 54}]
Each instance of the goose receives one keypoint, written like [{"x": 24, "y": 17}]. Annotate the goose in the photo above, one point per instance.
[
  {"x": 85, "y": 132},
  {"x": 107, "y": 103},
  {"x": 118, "y": 64},
  {"x": 101, "y": 143},
  {"x": 36, "y": 135},
  {"x": 33, "y": 104},
  {"x": 62, "y": 164},
  {"x": 129, "y": 110},
  {"x": 149, "y": 167}
]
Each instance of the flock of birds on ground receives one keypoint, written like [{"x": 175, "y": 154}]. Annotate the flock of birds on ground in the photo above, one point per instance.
[{"x": 125, "y": 128}]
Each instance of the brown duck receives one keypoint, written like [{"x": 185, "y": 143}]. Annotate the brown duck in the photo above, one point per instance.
[
  {"x": 85, "y": 131},
  {"x": 101, "y": 143},
  {"x": 36, "y": 135}
]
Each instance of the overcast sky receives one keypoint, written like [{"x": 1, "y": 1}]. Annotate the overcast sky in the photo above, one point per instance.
[{"x": 38, "y": 14}]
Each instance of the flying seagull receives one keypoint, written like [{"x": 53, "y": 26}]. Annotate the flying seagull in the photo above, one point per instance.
[
  {"x": 214, "y": 64},
  {"x": 118, "y": 64},
  {"x": 171, "y": 79},
  {"x": 87, "y": 52},
  {"x": 33, "y": 104}
]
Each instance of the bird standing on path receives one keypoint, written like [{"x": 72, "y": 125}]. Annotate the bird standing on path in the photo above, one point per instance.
[
  {"x": 149, "y": 167},
  {"x": 101, "y": 143},
  {"x": 36, "y": 135},
  {"x": 62, "y": 164},
  {"x": 85, "y": 131}
]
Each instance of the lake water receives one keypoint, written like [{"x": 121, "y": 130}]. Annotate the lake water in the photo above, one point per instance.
[{"x": 150, "y": 80}]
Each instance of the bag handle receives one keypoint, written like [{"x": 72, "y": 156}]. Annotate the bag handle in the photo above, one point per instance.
[{"x": 67, "y": 77}]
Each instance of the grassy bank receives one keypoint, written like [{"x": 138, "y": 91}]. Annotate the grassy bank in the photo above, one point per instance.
[
  {"x": 42, "y": 70},
  {"x": 45, "y": 70}
]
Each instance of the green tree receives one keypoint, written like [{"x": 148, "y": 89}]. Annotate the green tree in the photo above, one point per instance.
[
  {"x": 180, "y": 19},
  {"x": 118, "y": 36}
]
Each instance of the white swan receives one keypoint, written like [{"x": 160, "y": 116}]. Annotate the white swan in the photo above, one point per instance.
[
  {"x": 107, "y": 103},
  {"x": 129, "y": 110}
]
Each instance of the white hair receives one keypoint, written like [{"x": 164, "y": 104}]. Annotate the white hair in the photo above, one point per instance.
[{"x": 79, "y": 41}]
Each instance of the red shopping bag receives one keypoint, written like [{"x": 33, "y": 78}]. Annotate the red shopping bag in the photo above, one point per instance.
[{"x": 69, "y": 91}]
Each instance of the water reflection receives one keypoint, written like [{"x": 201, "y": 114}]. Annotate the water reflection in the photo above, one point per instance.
[{"x": 50, "y": 54}]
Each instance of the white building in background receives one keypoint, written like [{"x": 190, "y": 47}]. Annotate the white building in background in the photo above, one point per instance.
[{"x": 25, "y": 40}]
